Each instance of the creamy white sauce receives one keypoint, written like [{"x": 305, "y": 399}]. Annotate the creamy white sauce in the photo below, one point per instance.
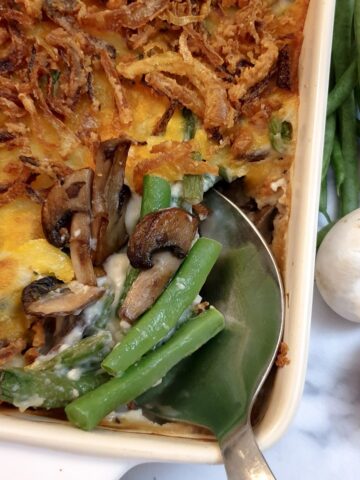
[
  {"x": 132, "y": 213},
  {"x": 116, "y": 267},
  {"x": 177, "y": 189},
  {"x": 72, "y": 337},
  {"x": 209, "y": 181},
  {"x": 94, "y": 311},
  {"x": 129, "y": 415},
  {"x": 32, "y": 401},
  {"x": 74, "y": 374}
]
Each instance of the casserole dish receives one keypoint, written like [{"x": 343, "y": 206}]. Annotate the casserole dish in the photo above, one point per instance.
[{"x": 287, "y": 387}]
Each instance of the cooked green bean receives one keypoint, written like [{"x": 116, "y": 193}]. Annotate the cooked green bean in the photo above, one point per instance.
[
  {"x": 45, "y": 389},
  {"x": 166, "y": 311},
  {"x": 156, "y": 194},
  {"x": 86, "y": 353},
  {"x": 193, "y": 188},
  {"x": 342, "y": 89},
  {"x": 86, "y": 412},
  {"x": 189, "y": 124}
]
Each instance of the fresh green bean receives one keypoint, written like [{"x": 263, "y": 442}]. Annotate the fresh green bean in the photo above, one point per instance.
[
  {"x": 164, "y": 314},
  {"x": 342, "y": 51},
  {"x": 323, "y": 200},
  {"x": 86, "y": 412},
  {"x": 349, "y": 199},
  {"x": 156, "y": 194},
  {"x": 338, "y": 165},
  {"x": 87, "y": 353},
  {"x": 45, "y": 389},
  {"x": 357, "y": 35},
  {"x": 342, "y": 89},
  {"x": 342, "y": 57},
  {"x": 328, "y": 144}
]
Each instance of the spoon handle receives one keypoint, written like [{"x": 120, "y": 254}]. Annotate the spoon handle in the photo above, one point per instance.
[{"x": 242, "y": 457}]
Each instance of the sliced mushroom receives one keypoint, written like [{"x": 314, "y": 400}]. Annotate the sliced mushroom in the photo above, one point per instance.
[
  {"x": 109, "y": 199},
  {"x": 172, "y": 228},
  {"x": 148, "y": 286},
  {"x": 80, "y": 249},
  {"x": 64, "y": 199},
  {"x": 49, "y": 297}
]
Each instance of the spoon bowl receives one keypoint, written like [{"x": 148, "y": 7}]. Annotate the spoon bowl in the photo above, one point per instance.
[{"x": 216, "y": 387}]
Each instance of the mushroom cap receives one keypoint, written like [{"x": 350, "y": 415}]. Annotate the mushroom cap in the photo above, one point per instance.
[
  {"x": 172, "y": 228},
  {"x": 72, "y": 195},
  {"x": 337, "y": 271}
]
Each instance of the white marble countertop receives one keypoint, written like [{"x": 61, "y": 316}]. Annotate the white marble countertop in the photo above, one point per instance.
[{"x": 323, "y": 442}]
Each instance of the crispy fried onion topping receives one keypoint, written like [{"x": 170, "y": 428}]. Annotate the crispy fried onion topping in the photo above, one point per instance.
[
  {"x": 170, "y": 159},
  {"x": 133, "y": 16},
  {"x": 212, "y": 102}
]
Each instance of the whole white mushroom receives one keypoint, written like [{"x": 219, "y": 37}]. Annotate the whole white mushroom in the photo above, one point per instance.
[{"x": 337, "y": 271}]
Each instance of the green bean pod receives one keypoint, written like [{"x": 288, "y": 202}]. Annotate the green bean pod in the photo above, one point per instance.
[
  {"x": 45, "y": 389},
  {"x": 87, "y": 353},
  {"x": 328, "y": 144},
  {"x": 342, "y": 89},
  {"x": 357, "y": 35},
  {"x": 86, "y": 412},
  {"x": 156, "y": 194},
  {"x": 337, "y": 161},
  {"x": 164, "y": 314},
  {"x": 349, "y": 199}
]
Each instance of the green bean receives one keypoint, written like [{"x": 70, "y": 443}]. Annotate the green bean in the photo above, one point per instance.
[
  {"x": 164, "y": 314},
  {"x": 86, "y": 412},
  {"x": 342, "y": 57},
  {"x": 193, "y": 188},
  {"x": 45, "y": 389},
  {"x": 323, "y": 200},
  {"x": 189, "y": 124},
  {"x": 349, "y": 189},
  {"x": 342, "y": 53},
  {"x": 328, "y": 144},
  {"x": 131, "y": 276},
  {"x": 86, "y": 353},
  {"x": 342, "y": 89},
  {"x": 357, "y": 35},
  {"x": 338, "y": 165},
  {"x": 156, "y": 194}
]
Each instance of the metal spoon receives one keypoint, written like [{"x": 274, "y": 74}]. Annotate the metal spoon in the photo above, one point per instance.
[{"x": 216, "y": 387}]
